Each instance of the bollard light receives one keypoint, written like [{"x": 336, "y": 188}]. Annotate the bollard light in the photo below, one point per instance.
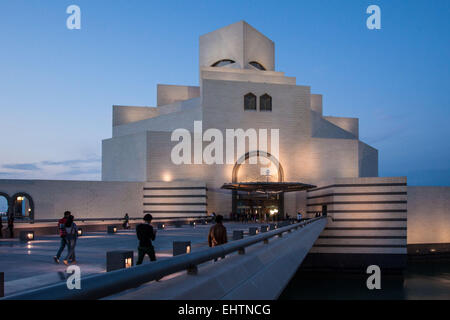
[
  {"x": 161, "y": 226},
  {"x": 116, "y": 260},
  {"x": 128, "y": 263},
  {"x": 27, "y": 236},
  {"x": 181, "y": 247},
  {"x": 112, "y": 229}
]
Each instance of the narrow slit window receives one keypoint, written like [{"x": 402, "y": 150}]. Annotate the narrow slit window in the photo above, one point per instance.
[
  {"x": 250, "y": 102},
  {"x": 265, "y": 103}
]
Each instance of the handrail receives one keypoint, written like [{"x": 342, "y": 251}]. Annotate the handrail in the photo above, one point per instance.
[{"x": 106, "y": 284}]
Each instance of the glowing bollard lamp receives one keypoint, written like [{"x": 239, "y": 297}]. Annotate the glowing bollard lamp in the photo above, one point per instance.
[
  {"x": 26, "y": 236},
  {"x": 112, "y": 229},
  {"x": 181, "y": 247},
  {"x": 116, "y": 260},
  {"x": 253, "y": 231},
  {"x": 161, "y": 226}
]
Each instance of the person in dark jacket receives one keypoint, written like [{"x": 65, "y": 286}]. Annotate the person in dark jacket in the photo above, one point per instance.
[
  {"x": 218, "y": 233},
  {"x": 11, "y": 225},
  {"x": 71, "y": 237},
  {"x": 146, "y": 235},
  {"x": 62, "y": 235},
  {"x": 126, "y": 222}
]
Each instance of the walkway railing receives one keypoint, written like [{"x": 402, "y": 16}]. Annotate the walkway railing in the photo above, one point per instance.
[{"x": 106, "y": 284}]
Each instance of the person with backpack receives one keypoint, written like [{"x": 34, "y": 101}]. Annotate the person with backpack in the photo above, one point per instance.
[
  {"x": 71, "y": 237},
  {"x": 62, "y": 235}
]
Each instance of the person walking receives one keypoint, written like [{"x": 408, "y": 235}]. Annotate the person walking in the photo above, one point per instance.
[
  {"x": 62, "y": 235},
  {"x": 146, "y": 235},
  {"x": 217, "y": 234},
  {"x": 71, "y": 236},
  {"x": 1, "y": 227},
  {"x": 126, "y": 222},
  {"x": 11, "y": 225}
]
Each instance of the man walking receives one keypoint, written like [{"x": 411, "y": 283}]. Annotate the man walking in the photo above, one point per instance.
[
  {"x": 62, "y": 235},
  {"x": 146, "y": 235},
  {"x": 11, "y": 225},
  {"x": 217, "y": 233}
]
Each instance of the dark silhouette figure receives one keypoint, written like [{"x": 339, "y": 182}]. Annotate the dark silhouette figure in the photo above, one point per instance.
[
  {"x": 146, "y": 235},
  {"x": 11, "y": 225},
  {"x": 71, "y": 237},
  {"x": 217, "y": 234},
  {"x": 1, "y": 227},
  {"x": 126, "y": 222}
]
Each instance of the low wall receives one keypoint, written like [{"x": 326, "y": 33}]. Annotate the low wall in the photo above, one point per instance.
[
  {"x": 428, "y": 215},
  {"x": 108, "y": 199}
]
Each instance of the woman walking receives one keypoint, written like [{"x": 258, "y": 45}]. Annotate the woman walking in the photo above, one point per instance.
[{"x": 71, "y": 238}]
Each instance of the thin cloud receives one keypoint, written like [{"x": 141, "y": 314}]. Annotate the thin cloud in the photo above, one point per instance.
[
  {"x": 71, "y": 162},
  {"x": 22, "y": 166}
]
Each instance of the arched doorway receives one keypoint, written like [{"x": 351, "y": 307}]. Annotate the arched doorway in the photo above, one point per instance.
[
  {"x": 23, "y": 206},
  {"x": 264, "y": 206}
]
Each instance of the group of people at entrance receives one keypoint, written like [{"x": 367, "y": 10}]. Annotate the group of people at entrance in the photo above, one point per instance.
[{"x": 145, "y": 233}]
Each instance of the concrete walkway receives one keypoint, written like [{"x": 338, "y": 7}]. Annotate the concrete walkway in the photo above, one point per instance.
[{"x": 30, "y": 265}]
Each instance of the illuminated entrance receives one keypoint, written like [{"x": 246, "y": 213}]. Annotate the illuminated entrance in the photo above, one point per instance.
[{"x": 258, "y": 189}]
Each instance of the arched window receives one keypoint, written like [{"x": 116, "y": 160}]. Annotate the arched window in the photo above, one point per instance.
[
  {"x": 265, "y": 103},
  {"x": 222, "y": 63},
  {"x": 249, "y": 101},
  {"x": 257, "y": 65},
  {"x": 4, "y": 205}
]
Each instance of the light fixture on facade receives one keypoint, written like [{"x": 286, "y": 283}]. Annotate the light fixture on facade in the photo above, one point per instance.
[
  {"x": 167, "y": 177},
  {"x": 80, "y": 232},
  {"x": 188, "y": 249}
]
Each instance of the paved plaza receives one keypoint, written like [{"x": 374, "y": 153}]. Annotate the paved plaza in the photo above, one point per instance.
[{"x": 30, "y": 265}]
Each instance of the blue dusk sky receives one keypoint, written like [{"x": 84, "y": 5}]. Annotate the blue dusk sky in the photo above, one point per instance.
[{"x": 57, "y": 86}]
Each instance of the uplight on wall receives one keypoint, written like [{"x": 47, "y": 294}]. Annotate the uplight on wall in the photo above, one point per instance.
[
  {"x": 80, "y": 232},
  {"x": 188, "y": 249},
  {"x": 167, "y": 177},
  {"x": 128, "y": 263},
  {"x": 30, "y": 236}
]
